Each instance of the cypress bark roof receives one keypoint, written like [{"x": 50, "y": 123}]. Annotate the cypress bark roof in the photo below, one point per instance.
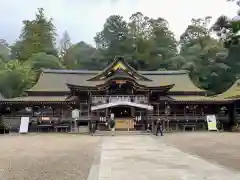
[
  {"x": 232, "y": 93},
  {"x": 57, "y": 80},
  {"x": 37, "y": 99},
  {"x": 198, "y": 99}
]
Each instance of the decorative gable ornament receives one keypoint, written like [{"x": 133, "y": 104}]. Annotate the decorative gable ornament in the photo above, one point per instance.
[{"x": 119, "y": 66}]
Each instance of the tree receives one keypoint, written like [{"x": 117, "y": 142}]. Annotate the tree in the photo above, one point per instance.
[
  {"x": 204, "y": 57},
  {"x": 228, "y": 30},
  {"x": 15, "y": 78},
  {"x": 4, "y": 50},
  {"x": 65, "y": 44},
  {"x": 144, "y": 42},
  {"x": 112, "y": 40},
  {"x": 139, "y": 26},
  {"x": 195, "y": 31},
  {"x": 83, "y": 56},
  {"x": 165, "y": 44},
  {"x": 114, "y": 32},
  {"x": 37, "y": 35},
  {"x": 42, "y": 60}
]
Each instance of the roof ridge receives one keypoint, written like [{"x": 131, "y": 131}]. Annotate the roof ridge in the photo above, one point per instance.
[{"x": 68, "y": 71}]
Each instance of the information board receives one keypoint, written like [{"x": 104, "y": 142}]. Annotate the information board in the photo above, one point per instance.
[
  {"x": 75, "y": 114},
  {"x": 212, "y": 123},
  {"x": 24, "y": 125}
]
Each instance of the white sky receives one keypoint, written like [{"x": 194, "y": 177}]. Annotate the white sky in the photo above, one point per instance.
[{"x": 83, "y": 18}]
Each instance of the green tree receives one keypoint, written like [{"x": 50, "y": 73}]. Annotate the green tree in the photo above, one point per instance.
[
  {"x": 83, "y": 56},
  {"x": 145, "y": 43},
  {"x": 42, "y": 60},
  {"x": 111, "y": 41},
  {"x": 229, "y": 32},
  {"x": 15, "y": 78},
  {"x": 37, "y": 35},
  {"x": 203, "y": 56},
  {"x": 4, "y": 50},
  {"x": 194, "y": 32},
  {"x": 165, "y": 44}
]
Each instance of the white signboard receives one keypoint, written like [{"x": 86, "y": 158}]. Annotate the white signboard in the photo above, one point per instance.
[
  {"x": 75, "y": 114},
  {"x": 24, "y": 125},
  {"x": 212, "y": 123}
]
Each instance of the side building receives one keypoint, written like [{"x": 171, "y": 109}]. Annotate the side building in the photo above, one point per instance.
[{"x": 136, "y": 98}]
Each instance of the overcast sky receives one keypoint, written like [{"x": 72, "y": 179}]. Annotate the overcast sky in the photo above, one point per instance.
[{"x": 83, "y": 18}]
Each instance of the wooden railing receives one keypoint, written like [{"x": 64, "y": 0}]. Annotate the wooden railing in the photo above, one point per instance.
[
  {"x": 187, "y": 117},
  {"x": 116, "y": 98}
]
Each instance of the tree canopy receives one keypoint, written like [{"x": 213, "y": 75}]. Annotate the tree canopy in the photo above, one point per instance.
[{"x": 146, "y": 43}]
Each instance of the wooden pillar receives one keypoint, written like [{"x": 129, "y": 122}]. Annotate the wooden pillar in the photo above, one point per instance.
[
  {"x": 89, "y": 103},
  {"x": 132, "y": 111},
  {"x": 106, "y": 113},
  {"x": 234, "y": 112},
  {"x": 89, "y": 106},
  {"x": 147, "y": 114},
  {"x": 98, "y": 114},
  {"x": 80, "y": 107}
]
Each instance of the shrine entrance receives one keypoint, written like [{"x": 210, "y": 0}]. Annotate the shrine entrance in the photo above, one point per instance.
[
  {"x": 127, "y": 115},
  {"x": 124, "y": 117}
]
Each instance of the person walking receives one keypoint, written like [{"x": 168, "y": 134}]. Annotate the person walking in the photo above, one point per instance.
[
  {"x": 159, "y": 127},
  {"x": 112, "y": 126}
]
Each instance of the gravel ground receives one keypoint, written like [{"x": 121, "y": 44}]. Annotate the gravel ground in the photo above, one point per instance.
[
  {"x": 220, "y": 148},
  {"x": 47, "y": 156},
  {"x": 69, "y": 157}
]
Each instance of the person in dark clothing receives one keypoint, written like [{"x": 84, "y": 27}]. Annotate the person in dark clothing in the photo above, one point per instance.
[
  {"x": 112, "y": 126},
  {"x": 92, "y": 127},
  {"x": 95, "y": 127},
  {"x": 219, "y": 126},
  {"x": 145, "y": 125},
  {"x": 154, "y": 126},
  {"x": 159, "y": 127}
]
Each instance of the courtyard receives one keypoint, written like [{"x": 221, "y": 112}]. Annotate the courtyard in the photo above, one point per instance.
[
  {"x": 46, "y": 156},
  {"x": 175, "y": 156}
]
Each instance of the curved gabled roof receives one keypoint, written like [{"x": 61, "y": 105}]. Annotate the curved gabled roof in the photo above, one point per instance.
[
  {"x": 57, "y": 80},
  {"x": 232, "y": 93}
]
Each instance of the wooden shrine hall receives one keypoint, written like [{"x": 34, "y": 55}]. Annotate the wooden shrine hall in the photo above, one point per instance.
[{"x": 136, "y": 98}]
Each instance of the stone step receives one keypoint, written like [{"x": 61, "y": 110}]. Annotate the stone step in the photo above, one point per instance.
[{"x": 109, "y": 133}]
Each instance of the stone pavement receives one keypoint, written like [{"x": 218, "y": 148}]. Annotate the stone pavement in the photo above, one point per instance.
[{"x": 148, "y": 158}]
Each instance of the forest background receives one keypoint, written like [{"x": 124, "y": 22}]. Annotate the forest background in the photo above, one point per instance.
[{"x": 209, "y": 52}]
